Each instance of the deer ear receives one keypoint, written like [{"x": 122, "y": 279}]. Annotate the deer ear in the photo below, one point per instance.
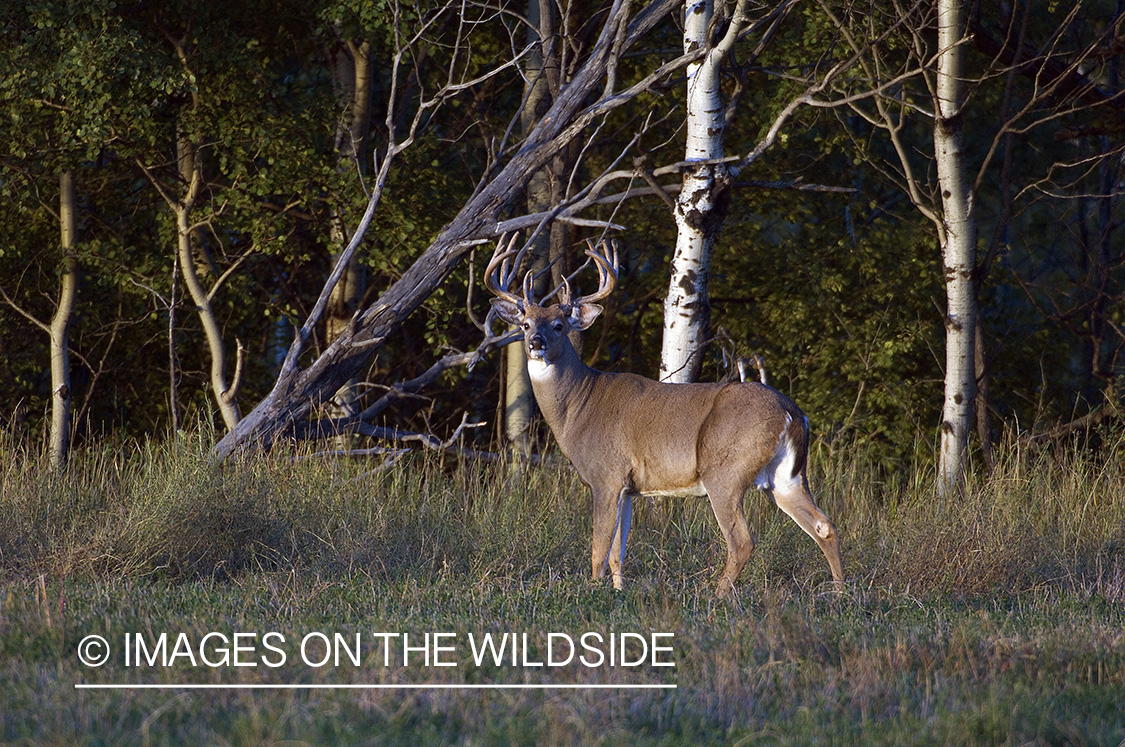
[
  {"x": 508, "y": 311},
  {"x": 583, "y": 315}
]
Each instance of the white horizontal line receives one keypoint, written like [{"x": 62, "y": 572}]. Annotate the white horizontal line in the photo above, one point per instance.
[{"x": 434, "y": 686}]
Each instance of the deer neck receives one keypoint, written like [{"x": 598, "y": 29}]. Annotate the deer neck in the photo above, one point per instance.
[{"x": 561, "y": 386}]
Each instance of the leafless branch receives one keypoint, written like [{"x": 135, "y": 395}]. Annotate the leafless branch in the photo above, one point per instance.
[
  {"x": 296, "y": 392},
  {"x": 96, "y": 372},
  {"x": 355, "y": 423},
  {"x": 23, "y": 312},
  {"x": 426, "y": 440}
]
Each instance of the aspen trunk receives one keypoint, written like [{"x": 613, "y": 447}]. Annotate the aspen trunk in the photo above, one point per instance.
[
  {"x": 224, "y": 393},
  {"x": 61, "y": 394},
  {"x": 700, "y": 207},
  {"x": 542, "y": 189},
  {"x": 958, "y": 243}
]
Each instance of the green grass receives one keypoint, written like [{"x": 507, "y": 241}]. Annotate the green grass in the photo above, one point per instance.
[{"x": 993, "y": 617}]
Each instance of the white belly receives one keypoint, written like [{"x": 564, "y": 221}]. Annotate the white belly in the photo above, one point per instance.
[{"x": 687, "y": 491}]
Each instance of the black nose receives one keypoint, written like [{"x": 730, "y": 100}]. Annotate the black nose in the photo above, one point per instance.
[{"x": 536, "y": 342}]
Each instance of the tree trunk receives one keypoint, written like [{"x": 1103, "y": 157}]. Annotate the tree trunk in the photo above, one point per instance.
[
  {"x": 353, "y": 85},
  {"x": 519, "y": 402},
  {"x": 61, "y": 394},
  {"x": 297, "y": 391},
  {"x": 191, "y": 172},
  {"x": 700, "y": 207},
  {"x": 958, "y": 243},
  {"x": 173, "y": 363}
]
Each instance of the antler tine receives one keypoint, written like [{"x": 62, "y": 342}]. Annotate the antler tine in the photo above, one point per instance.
[
  {"x": 529, "y": 288},
  {"x": 497, "y": 277},
  {"x": 606, "y": 262},
  {"x": 564, "y": 293}
]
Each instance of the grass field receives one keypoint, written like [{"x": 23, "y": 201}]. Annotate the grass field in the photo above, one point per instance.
[{"x": 996, "y": 617}]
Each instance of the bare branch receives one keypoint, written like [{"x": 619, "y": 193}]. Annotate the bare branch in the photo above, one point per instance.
[
  {"x": 23, "y": 312},
  {"x": 306, "y": 330},
  {"x": 226, "y": 274},
  {"x": 426, "y": 440},
  {"x": 97, "y": 372},
  {"x": 172, "y": 202},
  {"x": 327, "y": 427},
  {"x": 297, "y": 392}
]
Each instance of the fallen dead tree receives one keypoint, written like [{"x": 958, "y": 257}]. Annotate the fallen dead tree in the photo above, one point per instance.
[{"x": 298, "y": 392}]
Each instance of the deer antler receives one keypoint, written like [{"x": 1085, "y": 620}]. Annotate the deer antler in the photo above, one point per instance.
[
  {"x": 529, "y": 288},
  {"x": 503, "y": 268},
  {"x": 606, "y": 260},
  {"x": 498, "y": 276}
]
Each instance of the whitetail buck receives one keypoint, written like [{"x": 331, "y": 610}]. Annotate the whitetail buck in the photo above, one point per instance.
[{"x": 629, "y": 436}]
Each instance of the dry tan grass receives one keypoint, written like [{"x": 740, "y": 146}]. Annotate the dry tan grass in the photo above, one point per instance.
[{"x": 990, "y": 617}]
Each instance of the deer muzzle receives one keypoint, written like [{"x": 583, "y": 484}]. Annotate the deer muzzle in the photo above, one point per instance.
[{"x": 536, "y": 347}]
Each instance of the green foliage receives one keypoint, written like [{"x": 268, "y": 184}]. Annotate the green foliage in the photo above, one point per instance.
[
  {"x": 844, "y": 326},
  {"x": 841, "y": 295}
]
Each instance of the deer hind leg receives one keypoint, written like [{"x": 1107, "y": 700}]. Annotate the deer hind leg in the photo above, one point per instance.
[
  {"x": 613, "y": 513},
  {"x": 793, "y": 497},
  {"x": 726, "y": 503}
]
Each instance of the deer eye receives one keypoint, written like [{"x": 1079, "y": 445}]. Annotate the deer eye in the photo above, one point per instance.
[
  {"x": 526, "y": 326},
  {"x": 558, "y": 326}
]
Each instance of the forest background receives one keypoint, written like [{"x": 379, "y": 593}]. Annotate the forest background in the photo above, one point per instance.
[
  {"x": 207, "y": 164},
  {"x": 181, "y": 181}
]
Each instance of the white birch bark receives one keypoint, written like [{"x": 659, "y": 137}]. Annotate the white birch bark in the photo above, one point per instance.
[
  {"x": 61, "y": 394},
  {"x": 700, "y": 206},
  {"x": 225, "y": 393},
  {"x": 958, "y": 243}
]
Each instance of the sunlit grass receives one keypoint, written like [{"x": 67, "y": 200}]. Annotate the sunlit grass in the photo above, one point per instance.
[{"x": 992, "y": 616}]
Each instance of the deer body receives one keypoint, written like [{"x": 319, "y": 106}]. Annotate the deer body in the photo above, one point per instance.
[{"x": 627, "y": 435}]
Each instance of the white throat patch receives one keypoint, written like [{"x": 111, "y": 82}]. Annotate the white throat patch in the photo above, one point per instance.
[{"x": 538, "y": 369}]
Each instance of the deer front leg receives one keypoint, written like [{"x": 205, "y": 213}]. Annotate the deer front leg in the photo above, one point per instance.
[{"x": 612, "y": 516}]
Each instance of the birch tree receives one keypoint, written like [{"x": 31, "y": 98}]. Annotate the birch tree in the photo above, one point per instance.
[
  {"x": 958, "y": 238},
  {"x": 182, "y": 204},
  {"x": 62, "y": 393},
  {"x": 215, "y": 158},
  {"x": 58, "y": 329},
  {"x": 596, "y": 88},
  {"x": 61, "y": 110},
  {"x": 703, "y": 198},
  {"x": 1035, "y": 92}
]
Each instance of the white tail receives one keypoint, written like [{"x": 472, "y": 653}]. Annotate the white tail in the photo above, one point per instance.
[{"x": 628, "y": 435}]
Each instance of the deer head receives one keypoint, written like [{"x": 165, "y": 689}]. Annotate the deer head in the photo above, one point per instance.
[{"x": 546, "y": 328}]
